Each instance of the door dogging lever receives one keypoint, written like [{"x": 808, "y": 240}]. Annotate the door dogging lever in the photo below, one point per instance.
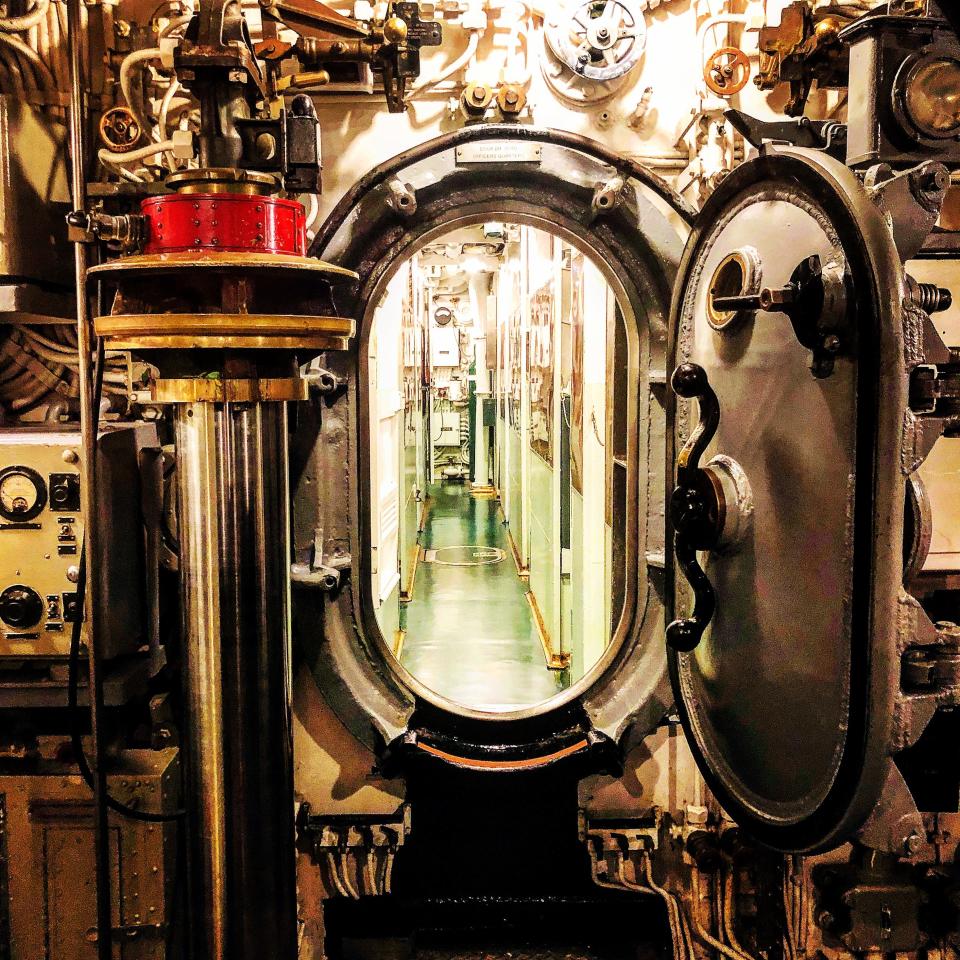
[
  {"x": 696, "y": 507},
  {"x": 815, "y": 302}
]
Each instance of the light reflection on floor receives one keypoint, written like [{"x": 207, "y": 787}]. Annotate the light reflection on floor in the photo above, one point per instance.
[{"x": 470, "y": 634}]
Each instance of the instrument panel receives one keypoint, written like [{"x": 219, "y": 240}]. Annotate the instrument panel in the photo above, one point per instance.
[{"x": 41, "y": 535}]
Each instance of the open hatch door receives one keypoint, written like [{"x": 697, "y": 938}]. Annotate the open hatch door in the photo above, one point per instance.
[{"x": 796, "y": 328}]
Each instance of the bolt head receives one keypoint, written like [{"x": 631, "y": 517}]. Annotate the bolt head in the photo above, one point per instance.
[{"x": 936, "y": 180}]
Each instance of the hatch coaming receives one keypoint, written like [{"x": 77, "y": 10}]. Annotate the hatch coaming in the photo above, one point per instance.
[{"x": 638, "y": 241}]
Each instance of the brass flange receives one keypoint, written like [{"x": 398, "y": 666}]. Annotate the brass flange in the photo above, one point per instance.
[
  {"x": 203, "y": 390},
  {"x": 223, "y": 180},
  {"x": 225, "y": 300},
  {"x": 171, "y": 263},
  {"x": 235, "y": 331}
]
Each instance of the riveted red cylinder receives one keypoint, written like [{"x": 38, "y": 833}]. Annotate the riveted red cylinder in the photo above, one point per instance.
[{"x": 236, "y": 223}]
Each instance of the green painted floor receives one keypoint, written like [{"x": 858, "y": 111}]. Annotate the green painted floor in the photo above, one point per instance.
[{"x": 470, "y": 634}]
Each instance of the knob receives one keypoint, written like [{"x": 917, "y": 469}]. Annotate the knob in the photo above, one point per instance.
[
  {"x": 65, "y": 491},
  {"x": 695, "y": 507},
  {"x": 20, "y": 606}
]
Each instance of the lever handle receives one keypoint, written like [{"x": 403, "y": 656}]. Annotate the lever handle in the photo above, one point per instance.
[
  {"x": 695, "y": 507},
  {"x": 769, "y": 299}
]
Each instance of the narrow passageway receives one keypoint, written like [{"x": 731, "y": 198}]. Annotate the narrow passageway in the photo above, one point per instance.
[
  {"x": 493, "y": 362},
  {"x": 470, "y": 631}
]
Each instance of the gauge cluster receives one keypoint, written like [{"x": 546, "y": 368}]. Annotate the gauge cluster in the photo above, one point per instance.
[{"x": 41, "y": 530}]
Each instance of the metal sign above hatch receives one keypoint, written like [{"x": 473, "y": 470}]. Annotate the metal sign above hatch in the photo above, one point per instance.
[{"x": 499, "y": 151}]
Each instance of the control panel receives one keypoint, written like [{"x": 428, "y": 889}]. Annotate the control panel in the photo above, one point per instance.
[{"x": 41, "y": 537}]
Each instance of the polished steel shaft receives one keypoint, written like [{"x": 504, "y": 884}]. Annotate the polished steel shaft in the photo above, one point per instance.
[{"x": 234, "y": 557}]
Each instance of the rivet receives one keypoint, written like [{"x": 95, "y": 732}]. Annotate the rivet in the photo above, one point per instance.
[{"x": 196, "y": 241}]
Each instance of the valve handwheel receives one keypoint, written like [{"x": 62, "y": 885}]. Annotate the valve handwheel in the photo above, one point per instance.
[
  {"x": 727, "y": 71},
  {"x": 120, "y": 131}
]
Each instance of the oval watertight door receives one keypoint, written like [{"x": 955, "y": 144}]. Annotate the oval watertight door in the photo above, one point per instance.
[
  {"x": 787, "y": 518},
  {"x": 631, "y": 226}
]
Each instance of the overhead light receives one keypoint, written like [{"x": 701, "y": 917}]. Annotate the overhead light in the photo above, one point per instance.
[{"x": 473, "y": 265}]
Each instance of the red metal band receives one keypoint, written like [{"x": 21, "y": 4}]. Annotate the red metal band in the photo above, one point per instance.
[{"x": 224, "y": 221}]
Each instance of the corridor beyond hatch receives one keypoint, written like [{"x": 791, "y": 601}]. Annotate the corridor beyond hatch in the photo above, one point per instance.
[{"x": 470, "y": 630}]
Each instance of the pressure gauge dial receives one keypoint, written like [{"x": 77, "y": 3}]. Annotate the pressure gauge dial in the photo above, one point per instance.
[{"x": 23, "y": 494}]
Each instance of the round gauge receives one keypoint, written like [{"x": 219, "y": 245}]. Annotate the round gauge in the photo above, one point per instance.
[
  {"x": 442, "y": 316},
  {"x": 931, "y": 95},
  {"x": 23, "y": 494}
]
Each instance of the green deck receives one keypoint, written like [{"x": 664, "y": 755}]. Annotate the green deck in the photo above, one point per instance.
[{"x": 470, "y": 634}]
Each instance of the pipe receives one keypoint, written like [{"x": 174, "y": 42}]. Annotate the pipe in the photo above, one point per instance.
[
  {"x": 171, "y": 91},
  {"x": 450, "y": 69},
  {"x": 126, "y": 66},
  {"x": 674, "y": 916},
  {"x": 727, "y": 913},
  {"x": 520, "y": 28},
  {"x": 676, "y": 934},
  {"x": 313, "y": 212},
  {"x": 369, "y": 871},
  {"x": 175, "y": 24},
  {"x": 12, "y": 67},
  {"x": 6, "y": 82},
  {"x": 335, "y": 875},
  {"x": 345, "y": 875},
  {"x": 234, "y": 570},
  {"x": 44, "y": 76},
  {"x": 27, "y": 20},
  {"x": 388, "y": 872},
  {"x": 89, "y": 422},
  {"x": 141, "y": 153},
  {"x": 703, "y": 934}
]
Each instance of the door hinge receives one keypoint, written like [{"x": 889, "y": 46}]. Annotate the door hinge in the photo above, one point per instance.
[{"x": 934, "y": 668}]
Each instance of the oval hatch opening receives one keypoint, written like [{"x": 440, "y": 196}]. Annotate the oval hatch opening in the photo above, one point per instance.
[{"x": 497, "y": 376}]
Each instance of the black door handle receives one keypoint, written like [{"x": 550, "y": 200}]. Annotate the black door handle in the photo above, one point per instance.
[{"x": 696, "y": 507}]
